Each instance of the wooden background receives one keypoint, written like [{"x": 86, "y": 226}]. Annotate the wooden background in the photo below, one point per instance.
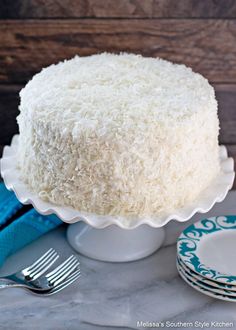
[{"x": 199, "y": 33}]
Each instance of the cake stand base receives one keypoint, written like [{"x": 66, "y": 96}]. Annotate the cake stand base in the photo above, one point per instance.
[{"x": 113, "y": 243}]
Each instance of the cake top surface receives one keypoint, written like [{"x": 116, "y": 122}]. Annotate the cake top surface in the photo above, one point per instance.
[{"x": 105, "y": 90}]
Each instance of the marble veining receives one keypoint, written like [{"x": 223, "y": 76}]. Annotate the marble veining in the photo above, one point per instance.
[{"x": 111, "y": 295}]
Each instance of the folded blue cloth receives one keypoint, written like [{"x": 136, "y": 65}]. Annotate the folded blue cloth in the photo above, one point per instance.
[{"x": 16, "y": 232}]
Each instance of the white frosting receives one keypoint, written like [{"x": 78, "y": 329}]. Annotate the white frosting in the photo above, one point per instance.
[{"x": 118, "y": 134}]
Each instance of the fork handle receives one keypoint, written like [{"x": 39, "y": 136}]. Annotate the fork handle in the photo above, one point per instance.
[{"x": 5, "y": 283}]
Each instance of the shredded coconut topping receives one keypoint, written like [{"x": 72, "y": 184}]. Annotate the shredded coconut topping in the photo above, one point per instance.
[{"x": 118, "y": 134}]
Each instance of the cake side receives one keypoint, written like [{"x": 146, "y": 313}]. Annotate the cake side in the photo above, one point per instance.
[{"x": 139, "y": 156}]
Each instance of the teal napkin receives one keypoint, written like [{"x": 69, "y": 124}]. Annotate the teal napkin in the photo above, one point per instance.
[{"x": 19, "y": 225}]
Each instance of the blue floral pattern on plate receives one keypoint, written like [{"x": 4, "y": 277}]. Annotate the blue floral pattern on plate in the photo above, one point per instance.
[
  {"x": 205, "y": 280},
  {"x": 203, "y": 284},
  {"x": 204, "y": 290},
  {"x": 190, "y": 238}
]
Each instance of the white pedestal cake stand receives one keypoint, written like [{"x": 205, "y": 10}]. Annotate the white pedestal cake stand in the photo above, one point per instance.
[{"x": 117, "y": 238}]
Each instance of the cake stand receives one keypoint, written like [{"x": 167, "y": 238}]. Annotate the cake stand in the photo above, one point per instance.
[{"x": 115, "y": 238}]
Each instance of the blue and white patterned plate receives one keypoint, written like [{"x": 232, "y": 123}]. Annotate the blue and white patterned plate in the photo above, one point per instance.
[
  {"x": 205, "y": 291},
  {"x": 208, "y": 248},
  {"x": 203, "y": 284},
  {"x": 205, "y": 280}
]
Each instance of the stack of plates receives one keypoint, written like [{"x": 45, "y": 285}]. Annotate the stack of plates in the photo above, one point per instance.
[{"x": 206, "y": 258}]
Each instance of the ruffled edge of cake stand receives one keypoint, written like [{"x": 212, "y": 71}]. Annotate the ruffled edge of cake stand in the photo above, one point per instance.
[{"x": 216, "y": 192}]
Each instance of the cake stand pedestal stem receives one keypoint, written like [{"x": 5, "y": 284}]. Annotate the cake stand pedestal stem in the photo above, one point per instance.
[{"x": 113, "y": 243}]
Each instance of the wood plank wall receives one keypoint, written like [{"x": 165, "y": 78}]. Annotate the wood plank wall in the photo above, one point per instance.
[{"x": 199, "y": 33}]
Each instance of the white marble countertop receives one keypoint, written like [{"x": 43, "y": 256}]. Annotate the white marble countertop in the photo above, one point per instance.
[{"x": 110, "y": 295}]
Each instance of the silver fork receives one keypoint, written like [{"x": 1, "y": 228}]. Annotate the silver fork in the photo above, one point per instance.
[
  {"x": 31, "y": 277},
  {"x": 69, "y": 280}
]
